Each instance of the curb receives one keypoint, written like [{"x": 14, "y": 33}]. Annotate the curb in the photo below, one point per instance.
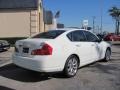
[{"x": 9, "y": 62}]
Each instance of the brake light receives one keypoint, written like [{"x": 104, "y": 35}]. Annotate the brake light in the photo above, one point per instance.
[{"x": 45, "y": 50}]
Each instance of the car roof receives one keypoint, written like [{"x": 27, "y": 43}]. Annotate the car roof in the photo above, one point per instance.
[{"x": 68, "y": 29}]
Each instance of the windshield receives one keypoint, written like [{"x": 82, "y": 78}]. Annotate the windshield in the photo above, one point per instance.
[{"x": 50, "y": 34}]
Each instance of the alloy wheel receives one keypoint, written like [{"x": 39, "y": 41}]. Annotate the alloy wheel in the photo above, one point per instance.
[
  {"x": 71, "y": 67},
  {"x": 107, "y": 55}
]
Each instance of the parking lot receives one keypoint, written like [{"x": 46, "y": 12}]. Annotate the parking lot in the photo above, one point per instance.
[{"x": 97, "y": 76}]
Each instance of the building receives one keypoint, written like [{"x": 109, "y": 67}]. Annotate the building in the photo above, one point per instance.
[
  {"x": 21, "y": 18},
  {"x": 60, "y": 25}
]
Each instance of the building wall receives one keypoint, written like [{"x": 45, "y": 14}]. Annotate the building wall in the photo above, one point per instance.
[
  {"x": 14, "y": 24},
  {"x": 41, "y": 28},
  {"x": 22, "y": 23},
  {"x": 34, "y": 22}
]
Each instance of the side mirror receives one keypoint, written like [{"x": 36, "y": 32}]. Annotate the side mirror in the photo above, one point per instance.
[{"x": 99, "y": 40}]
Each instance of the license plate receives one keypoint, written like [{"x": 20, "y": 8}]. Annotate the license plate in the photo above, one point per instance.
[{"x": 25, "y": 50}]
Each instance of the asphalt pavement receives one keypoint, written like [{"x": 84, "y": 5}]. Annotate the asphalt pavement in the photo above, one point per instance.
[
  {"x": 97, "y": 76},
  {"x": 5, "y": 56}
]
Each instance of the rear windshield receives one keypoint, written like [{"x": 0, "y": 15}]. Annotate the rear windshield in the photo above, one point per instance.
[{"x": 50, "y": 34}]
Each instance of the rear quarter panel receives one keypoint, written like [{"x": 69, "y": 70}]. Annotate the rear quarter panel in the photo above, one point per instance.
[{"x": 62, "y": 49}]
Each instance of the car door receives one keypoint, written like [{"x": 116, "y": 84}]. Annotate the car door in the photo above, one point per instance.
[
  {"x": 93, "y": 40},
  {"x": 83, "y": 48}
]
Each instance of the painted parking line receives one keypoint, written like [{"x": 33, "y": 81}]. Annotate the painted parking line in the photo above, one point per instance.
[{"x": 6, "y": 63}]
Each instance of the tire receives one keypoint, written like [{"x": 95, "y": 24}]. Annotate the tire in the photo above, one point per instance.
[
  {"x": 71, "y": 66},
  {"x": 107, "y": 55}
]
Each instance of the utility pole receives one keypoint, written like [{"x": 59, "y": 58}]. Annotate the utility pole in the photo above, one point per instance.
[
  {"x": 93, "y": 24},
  {"x": 98, "y": 29},
  {"x": 101, "y": 12}
]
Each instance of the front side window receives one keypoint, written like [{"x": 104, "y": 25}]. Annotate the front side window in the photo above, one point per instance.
[
  {"x": 76, "y": 36},
  {"x": 90, "y": 37},
  {"x": 50, "y": 34}
]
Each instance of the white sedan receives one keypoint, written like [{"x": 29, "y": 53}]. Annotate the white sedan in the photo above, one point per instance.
[{"x": 60, "y": 50}]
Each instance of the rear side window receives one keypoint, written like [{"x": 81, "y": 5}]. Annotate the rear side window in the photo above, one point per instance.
[
  {"x": 50, "y": 34},
  {"x": 76, "y": 36},
  {"x": 90, "y": 37}
]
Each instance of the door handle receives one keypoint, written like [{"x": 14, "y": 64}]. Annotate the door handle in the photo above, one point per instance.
[
  {"x": 77, "y": 45},
  {"x": 92, "y": 45}
]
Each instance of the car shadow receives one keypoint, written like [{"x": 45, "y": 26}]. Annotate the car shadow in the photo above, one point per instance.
[
  {"x": 104, "y": 68},
  {"x": 116, "y": 52},
  {"x": 5, "y": 88},
  {"x": 13, "y": 72},
  {"x": 19, "y": 74},
  {"x": 4, "y": 50}
]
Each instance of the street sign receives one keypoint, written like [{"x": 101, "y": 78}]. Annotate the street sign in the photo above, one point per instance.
[{"x": 85, "y": 22}]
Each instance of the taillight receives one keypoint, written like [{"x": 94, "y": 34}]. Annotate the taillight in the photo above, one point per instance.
[{"x": 45, "y": 50}]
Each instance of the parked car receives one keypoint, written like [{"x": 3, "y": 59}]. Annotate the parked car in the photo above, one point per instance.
[
  {"x": 112, "y": 37},
  {"x": 60, "y": 50},
  {"x": 4, "y": 45}
]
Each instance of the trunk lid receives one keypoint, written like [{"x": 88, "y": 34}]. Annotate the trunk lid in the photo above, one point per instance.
[{"x": 26, "y": 46}]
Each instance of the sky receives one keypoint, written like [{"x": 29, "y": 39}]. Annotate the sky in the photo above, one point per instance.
[{"x": 73, "y": 12}]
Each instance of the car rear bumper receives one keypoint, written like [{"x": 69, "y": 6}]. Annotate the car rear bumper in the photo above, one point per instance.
[{"x": 40, "y": 64}]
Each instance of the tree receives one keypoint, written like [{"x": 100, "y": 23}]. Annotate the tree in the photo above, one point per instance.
[{"x": 115, "y": 13}]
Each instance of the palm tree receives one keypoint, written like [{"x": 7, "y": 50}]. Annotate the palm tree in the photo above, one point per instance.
[{"x": 115, "y": 13}]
